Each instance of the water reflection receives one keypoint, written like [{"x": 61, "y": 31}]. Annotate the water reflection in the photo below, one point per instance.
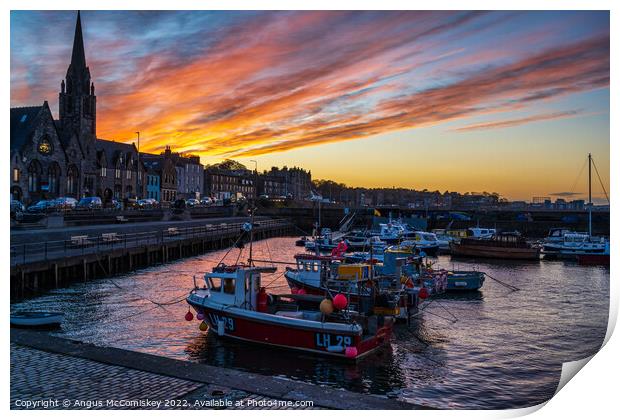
[{"x": 487, "y": 349}]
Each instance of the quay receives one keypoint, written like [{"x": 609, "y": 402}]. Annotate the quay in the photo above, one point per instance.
[
  {"x": 76, "y": 375},
  {"x": 110, "y": 250}
]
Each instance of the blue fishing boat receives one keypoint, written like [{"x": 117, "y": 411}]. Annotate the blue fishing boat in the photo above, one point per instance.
[
  {"x": 464, "y": 280},
  {"x": 44, "y": 320}
]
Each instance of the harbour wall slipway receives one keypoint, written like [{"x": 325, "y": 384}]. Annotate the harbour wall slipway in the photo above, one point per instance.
[{"x": 49, "y": 372}]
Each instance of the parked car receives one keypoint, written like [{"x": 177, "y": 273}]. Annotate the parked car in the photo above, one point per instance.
[
  {"x": 89, "y": 203},
  {"x": 42, "y": 206},
  {"x": 179, "y": 204},
  {"x": 148, "y": 203},
  {"x": 65, "y": 203},
  {"x": 131, "y": 203},
  {"x": 192, "y": 202},
  {"x": 206, "y": 201},
  {"x": 116, "y": 204},
  {"x": 17, "y": 207}
]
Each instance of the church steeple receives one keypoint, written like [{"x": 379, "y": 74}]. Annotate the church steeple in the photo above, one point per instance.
[
  {"x": 77, "y": 101},
  {"x": 78, "y": 58}
]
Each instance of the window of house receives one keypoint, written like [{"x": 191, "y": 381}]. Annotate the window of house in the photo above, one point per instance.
[
  {"x": 15, "y": 175},
  {"x": 104, "y": 171}
]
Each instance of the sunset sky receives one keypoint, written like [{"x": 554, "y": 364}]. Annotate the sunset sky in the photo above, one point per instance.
[{"x": 510, "y": 102}]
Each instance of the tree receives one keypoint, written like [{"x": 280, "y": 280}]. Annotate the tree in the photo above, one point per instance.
[{"x": 229, "y": 165}]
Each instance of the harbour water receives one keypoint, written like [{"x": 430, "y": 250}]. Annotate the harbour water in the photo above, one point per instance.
[{"x": 492, "y": 349}]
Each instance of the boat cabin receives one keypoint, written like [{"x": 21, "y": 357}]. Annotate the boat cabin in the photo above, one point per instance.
[
  {"x": 478, "y": 232},
  {"x": 234, "y": 287}
]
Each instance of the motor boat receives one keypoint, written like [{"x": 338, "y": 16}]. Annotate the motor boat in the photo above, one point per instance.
[
  {"x": 425, "y": 241},
  {"x": 323, "y": 243},
  {"x": 573, "y": 244}
]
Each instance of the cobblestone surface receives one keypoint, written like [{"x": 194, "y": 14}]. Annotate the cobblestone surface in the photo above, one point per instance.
[
  {"x": 41, "y": 376},
  {"x": 45, "y": 380}
]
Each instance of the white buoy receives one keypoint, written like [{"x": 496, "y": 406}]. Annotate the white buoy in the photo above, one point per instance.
[{"x": 220, "y": 327}]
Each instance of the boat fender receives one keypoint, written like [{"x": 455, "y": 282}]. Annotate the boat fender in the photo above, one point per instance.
[
  {"x": 262, "y": 300},
  {"x": 350, "y": 352},
  {"x": 335, "y": 349},
  {"x": 220, "y": 327}
]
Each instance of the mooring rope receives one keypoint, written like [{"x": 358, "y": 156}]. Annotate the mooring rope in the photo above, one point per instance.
[{"x": 509, "y": 286}]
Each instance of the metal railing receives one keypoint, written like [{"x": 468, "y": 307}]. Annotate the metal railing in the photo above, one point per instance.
[{"x": 82, "y": 245}]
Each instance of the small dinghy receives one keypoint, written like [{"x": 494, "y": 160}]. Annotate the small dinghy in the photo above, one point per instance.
[{"x": 37, "y": 319}]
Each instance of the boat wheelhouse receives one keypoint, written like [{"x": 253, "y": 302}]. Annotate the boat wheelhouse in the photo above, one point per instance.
[{"x": 480, "y": 233}]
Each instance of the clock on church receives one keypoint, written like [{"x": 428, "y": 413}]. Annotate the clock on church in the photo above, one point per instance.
[{"x": 45, "y": 148}]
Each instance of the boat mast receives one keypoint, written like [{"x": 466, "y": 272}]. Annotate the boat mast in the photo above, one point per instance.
[
  {"x": 590, "y": 195},
  {"x": 251, "y": 234}
]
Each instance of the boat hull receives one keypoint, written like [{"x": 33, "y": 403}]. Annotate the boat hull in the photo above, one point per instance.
[
  {"x": 482, "y": 251},
  {"x": 316, "y": 340},
  {"x": 593, "y": 259},
  {"x": 41, "y": 320},
  {"x": 464, "y": 281}
]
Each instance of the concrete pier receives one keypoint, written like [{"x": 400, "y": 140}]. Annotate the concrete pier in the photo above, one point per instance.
[
  {"x": 73, "y": 375},
  {"x": 40, "y": 266}
]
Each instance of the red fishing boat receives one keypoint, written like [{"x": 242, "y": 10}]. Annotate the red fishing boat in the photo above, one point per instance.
[{"x": 232, "y": 303}]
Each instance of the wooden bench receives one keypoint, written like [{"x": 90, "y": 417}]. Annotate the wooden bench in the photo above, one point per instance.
[
  {"x": 110, "y": 237},
  {"x": 80, "y": 241},
  {"x": 121, "y": 219}
]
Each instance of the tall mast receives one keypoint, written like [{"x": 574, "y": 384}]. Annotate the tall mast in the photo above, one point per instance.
[
  {"x": 590, "y": 194},
  {"x": 251, "y": 234}
]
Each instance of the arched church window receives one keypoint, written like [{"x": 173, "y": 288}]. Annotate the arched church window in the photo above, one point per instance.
[
  {"x": 53, "y": 176},
  {"x": 34, "y": 176},
  {"x": 72, "y": 180}
]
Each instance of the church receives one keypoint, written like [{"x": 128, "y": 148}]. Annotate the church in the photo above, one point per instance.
[{"x": 64, "y": 158}]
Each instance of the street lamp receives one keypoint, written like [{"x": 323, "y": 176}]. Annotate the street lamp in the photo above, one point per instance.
[{"x": 255, "y": 178}]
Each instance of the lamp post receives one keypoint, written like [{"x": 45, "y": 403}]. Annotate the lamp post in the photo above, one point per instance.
[
  {"x": 138, "y": 177},
  {"x": 255, "y": 180}
]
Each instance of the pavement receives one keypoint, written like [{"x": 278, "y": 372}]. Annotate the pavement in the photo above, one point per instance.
[{"x": 49, "y": 372}]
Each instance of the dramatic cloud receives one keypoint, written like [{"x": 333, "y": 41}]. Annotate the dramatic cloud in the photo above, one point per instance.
[
  {"x": 565, "y": 194},
  {"x": 518, "y": 121},
  {"x": 250, "y": 83}
]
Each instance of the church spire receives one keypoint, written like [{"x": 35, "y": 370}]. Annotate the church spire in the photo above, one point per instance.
[{"x": 78, "y": 58}]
